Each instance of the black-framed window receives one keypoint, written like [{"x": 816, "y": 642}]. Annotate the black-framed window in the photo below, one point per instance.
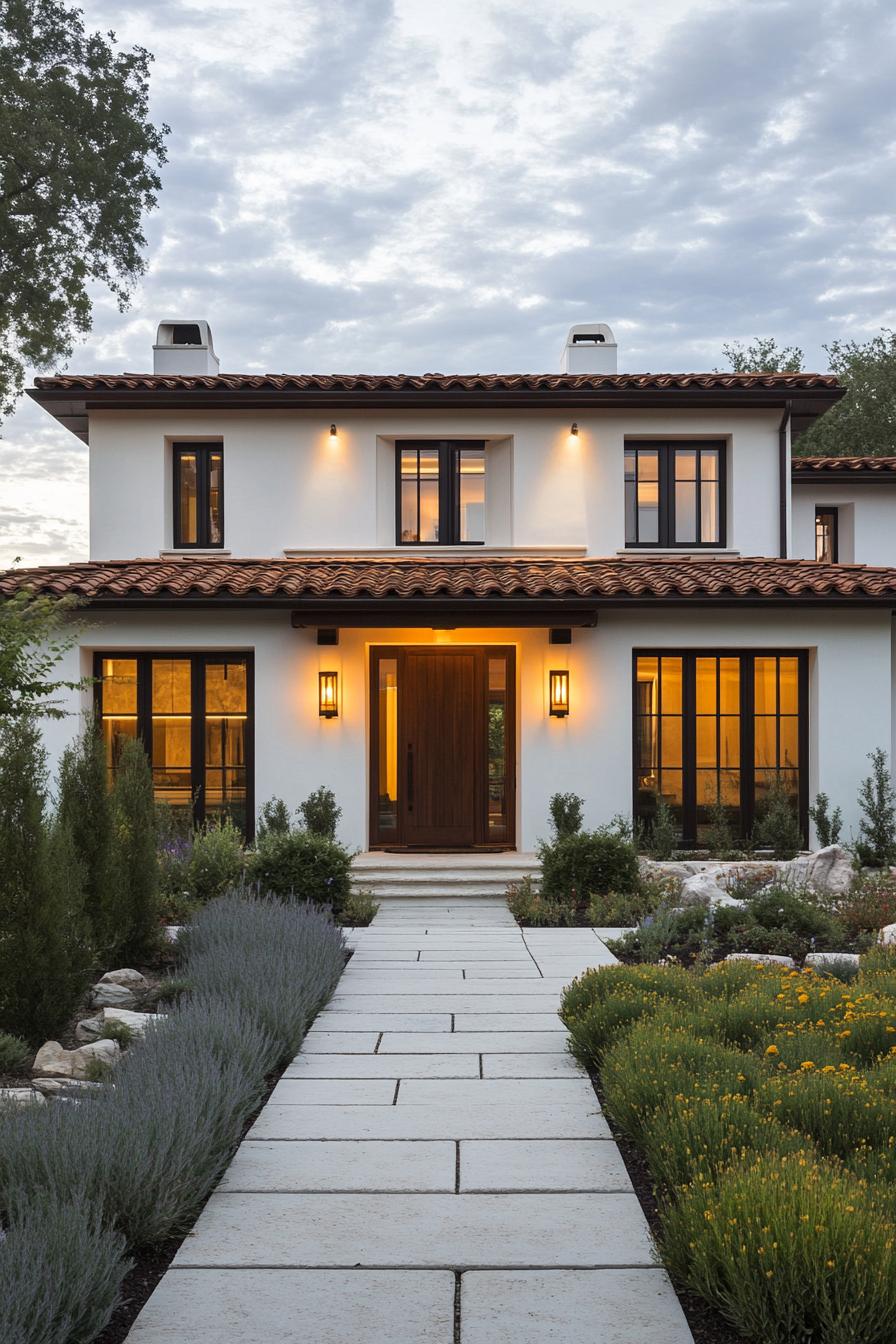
[
  {"x": 827, "y": 540},
  {"x": 198, "y": 495},
  {"x": 718, "y": 730},
  {"x": 194, "y": 714},
  {"x": 674, "y": 494},
  {"x": 440, "y": 493}
]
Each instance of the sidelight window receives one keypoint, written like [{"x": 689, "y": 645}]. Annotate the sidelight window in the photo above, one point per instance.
[
  {"x": 193, "y": 714},
  {"x": 198, "y": 495},
  {"x": 826, "y": 535},
  {"x": 675, "y": 494},
  {"x": 713, "y": 733},
  {"x": 440, "y": 493}
]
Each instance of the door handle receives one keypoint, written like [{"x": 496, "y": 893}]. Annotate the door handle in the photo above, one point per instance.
[{"x": 410, "y": 777}]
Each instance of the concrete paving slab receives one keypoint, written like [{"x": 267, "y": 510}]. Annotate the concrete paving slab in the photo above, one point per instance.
[
  {"x": 514, "y": 953},
  {"x": 390, "y": 1066},
  {"x": 332, "y": 1019},
  {"x": 343, "y": 1165},
  {"x": 528, "y": 1066},
  {"x": 336, "y": 1091},
  {"x": 604, "y": 1306},
  {"x": 542, "y": 1164},
  {"x": 465, "y": 1042},
  {"x": 490, "y": 970},
  {"x": 497, "y": 1091},
  {"x": 340, "y": 1042},
  {"x": 464, "y": 1121},
  {"x": 418, "y": 1231},
  {"x": 486, "y": 1021},
  {"x": 270, "y": 1306},
  {"x": 546, "y": 1002}
]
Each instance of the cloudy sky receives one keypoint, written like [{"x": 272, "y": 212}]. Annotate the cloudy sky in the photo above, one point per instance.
[{"x": 407, "y": 186}]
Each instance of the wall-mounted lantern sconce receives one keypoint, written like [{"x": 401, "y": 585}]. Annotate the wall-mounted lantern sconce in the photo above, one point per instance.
[
  {"x": 559, "y": 694},
  {"x": 334, "y": 436},
  {"x": 328, "y": 695},
  {"x": 574, "y": 430}
]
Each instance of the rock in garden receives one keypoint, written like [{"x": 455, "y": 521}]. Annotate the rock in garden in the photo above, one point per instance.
[
  {"x": 831, "y": 870},
  {"x": 102, "y": 1052},
  {"x": 762, "y": 958},
  {"x": 61, "y": 1087},
  {"x": 52, "y": 1061},
  {"x": 90, "y": 1028},
  {"x": 138, "y": 1022},
  {"x": 705, "y": 886},
  {"x": 820, "y": 960},
  {"x": 19, "y": 1096},
  {"x": 887, "y": 935},
  {"x": 111, "y": 995},
  {"x": 131, "y": 979},
  {"x": 173, "y": 931}
]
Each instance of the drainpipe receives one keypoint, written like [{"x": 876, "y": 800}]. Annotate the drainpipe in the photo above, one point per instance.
[{"x": 783, "y": 481}]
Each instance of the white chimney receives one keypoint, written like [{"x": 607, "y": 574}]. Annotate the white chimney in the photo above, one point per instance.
[
  {"x": 184, "y": 347},
  {"x": 590, "y": 348}
]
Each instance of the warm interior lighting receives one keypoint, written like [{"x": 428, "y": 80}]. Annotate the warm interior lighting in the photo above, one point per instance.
[
  {"x": 573, "y": 434},
  {"x": 328, "y": 694},
  {"x": 334, "y": 436},
  {"x": 559, "y": 694}
]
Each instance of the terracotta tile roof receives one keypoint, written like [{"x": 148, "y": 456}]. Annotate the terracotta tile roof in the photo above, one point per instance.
[
  {"x": 442, "y": 382},
  {"x": 624, "y": 580},
  {"x": 804, "y": 467}
]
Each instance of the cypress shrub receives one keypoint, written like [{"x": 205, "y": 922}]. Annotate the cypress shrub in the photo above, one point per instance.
[
  {"x": 84, "y": 808},
  {"x": 135, "y": 907}
]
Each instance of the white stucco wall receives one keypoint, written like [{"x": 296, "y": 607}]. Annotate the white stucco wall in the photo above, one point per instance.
[
  {"x": 867, "y": 520},
  {"x": 287, "y": 488},
  {"x": 590, "y": 752}
]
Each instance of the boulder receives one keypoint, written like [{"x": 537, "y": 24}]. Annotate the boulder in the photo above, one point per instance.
[
  {"x": 90, "y": 1028},
  {"x": 19, "y": 1096},
  {"x": 58, "y": 1087},
  {"x": 131, "y": 979},
  {"x": 830, "y": 870},
  {"x": 52, "y": 1061},
  {"x": 706, "y": 886},
  {"x": 111, "y": 995},
  {"x": 762, "y": 958},
  {"x": 887, "y": 935},
  {"x": 820, "y": 960},
  {"x": 138, "y": 1022},
  {"x": 103, "y": 1052},
  {"x": 173, "y": 931}
]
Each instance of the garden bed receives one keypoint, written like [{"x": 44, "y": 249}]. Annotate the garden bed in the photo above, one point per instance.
[{"x": 764, "y": 1106}]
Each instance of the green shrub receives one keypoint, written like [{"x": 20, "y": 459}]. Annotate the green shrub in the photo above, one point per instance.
[
  {"x": 320, "y": 813},
  {"x": 114, "y": 1030},
  {"x": 303, "y": 866},
  {"x": 690, "y": 1138},
  {"x": 868, "y": 906},
  {"x": 45, "y": 955},
  {"x": 678, "y": 933},
  {"x": 777, "y": 920},
  {"x": 595, "y": 1010},
  {"x": 788, "y": 1248},
  {"x": 566, "y": 811},
  {"x": 828, "y": 825},
  {"x": 529, "y": 907},
  {"x": 216, "y": 861},
  {"x": 587, "y": 864},
  {"x": 136, "y": 884},
  {"x": 720, "y": 837},
  {"x": 837, "y": 1107},
  {"x": 15, "y": 1054},
  {"x": 664, "y": 833},
  {"x": 876, "y": 845},
  {"x": 778, "y": 827},
  {"x": 84, "y": 809},
  {"x": 274, "y": 816},
  {"x": 360, "y": 909}
]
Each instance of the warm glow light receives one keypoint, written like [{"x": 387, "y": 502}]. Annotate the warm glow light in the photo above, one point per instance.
[
  {"x": 334, "y": 436},
  {"x": 328, "y": 694},
  {"x": 559, "y": 694},
  {"x": 573, "y": 434}
]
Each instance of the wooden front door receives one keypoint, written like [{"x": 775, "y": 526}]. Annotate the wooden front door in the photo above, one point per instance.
[{"x": 442, "y": 747}]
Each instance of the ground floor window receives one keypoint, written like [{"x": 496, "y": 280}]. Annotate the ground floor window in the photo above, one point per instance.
[
  {"x": 718, "y": 730},
  {"x": 193, "y": 713}
]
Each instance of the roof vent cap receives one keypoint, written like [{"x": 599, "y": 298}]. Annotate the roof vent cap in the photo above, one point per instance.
[
  {"x": 184, "y": 347},
  {"x": 590, "y": 348}
]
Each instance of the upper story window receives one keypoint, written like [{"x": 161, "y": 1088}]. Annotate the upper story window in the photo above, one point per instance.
[
  {"x": 826, "y": 539},
  {"x": 440, "y": 489},
  {"x": 674, "y": 494},
  {"x": 198, "y": 494}
]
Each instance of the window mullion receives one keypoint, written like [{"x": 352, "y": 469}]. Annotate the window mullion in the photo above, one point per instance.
[{"x": 197, "y": 736}]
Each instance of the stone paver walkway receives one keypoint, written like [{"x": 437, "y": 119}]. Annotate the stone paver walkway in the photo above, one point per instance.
[{"x": 433, "y": 1168}]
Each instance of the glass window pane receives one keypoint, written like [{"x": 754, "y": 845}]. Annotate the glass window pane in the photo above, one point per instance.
[
  {"x": 630, "y": 459},
  {"x": 215, "y": 499},
  {"x": 409, "y": 530},
  {"x": 648, "y": 464},
  {"x": 429, "y": 510},
  {"x": 471, "y": 494},
  {"x": 706, "y": 740},
  {"x": 387, "y": 729},
  {"x": 710, "y": 532},
  {"x": 706, "y": 685},
  {"x": 225, "y": 687},
  {"x": 765, "y": 731},
  {"x": 729, "y": 740},
  {"x": 648, "y": 511},
  {"x": 671, "y": 673},
  {"x": 789, "y": 739},
  {"x": 119, "y": 686},
  {"x": 709, "y": 464},
  {"x": 672, "y": 789},
  {"x": 497, "y": 746},
  {"x": 764, "y": 685},
  {"x": 685, "y": 464},
  {"x": 670, "y": 740},
  {"x": 788, "y": 681},
  {"x": 631, "y": 524},
  {"x": 187, "y": 499},
  {"x": 171, "y": 688},
  {"x": 685, "y": 511},
  {"x": 729, "y": 685}
]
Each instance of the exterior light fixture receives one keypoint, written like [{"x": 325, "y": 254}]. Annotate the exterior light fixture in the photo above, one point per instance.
[
  {"x": 328, "y": 695},
  {"x": 559, "y": 693},
  {"x": 574, "y": 430},
  {"x": 334, "y": 436}
]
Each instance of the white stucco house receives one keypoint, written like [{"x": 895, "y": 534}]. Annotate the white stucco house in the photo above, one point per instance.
[{"x": 448, "y": 597}]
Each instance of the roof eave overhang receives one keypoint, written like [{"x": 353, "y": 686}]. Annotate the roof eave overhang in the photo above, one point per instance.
[
  {"x": 72, "y": 408},
  {"x": 843, "y": 477}
]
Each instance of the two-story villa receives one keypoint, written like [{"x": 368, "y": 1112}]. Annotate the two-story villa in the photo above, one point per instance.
[{"x": 448, "y": 597}]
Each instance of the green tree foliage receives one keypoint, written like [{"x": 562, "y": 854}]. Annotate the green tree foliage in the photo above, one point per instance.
[
  {"x": 35, "y": 632},
  {"x": 45, "y": 959},
  {"x": 83, "y": 808},
  {"x": 78, "y": 169},
  {"x": 134, "y": 908},
  {"x": 763, "y": 355},
  {"x": 864, "y": 422},
  {"x": 876, "y": 845}
]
